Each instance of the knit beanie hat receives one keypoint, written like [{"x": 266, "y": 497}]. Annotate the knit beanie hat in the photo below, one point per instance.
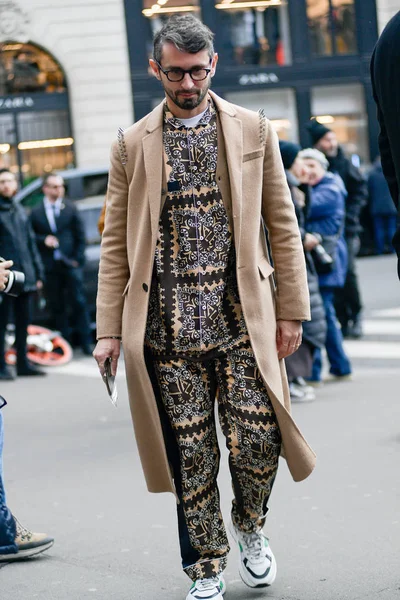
[
  {"x": 315, "y": 155},
  {"x": 316, "y": 130},
  {"x": 289, "y": 152}
]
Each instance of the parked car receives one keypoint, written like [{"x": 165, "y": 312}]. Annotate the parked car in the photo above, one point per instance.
[{"x": 87, "y": 188}]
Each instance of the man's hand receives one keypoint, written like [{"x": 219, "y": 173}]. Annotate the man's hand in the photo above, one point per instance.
[
  {"x": 4, "y": 273},
  {"x": 310, "y": 241},
  {"x": 288, "y": 337},
  {"x": 51, "y": 241},
  {"x": 107, "y": 348},
  {"x": 39, "y": 285}
]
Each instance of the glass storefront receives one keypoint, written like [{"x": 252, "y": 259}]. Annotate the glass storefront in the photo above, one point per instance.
[
  {"x": 255, "y": 32},
  {"x": 342, "y": 109},
  {"x": 279, "y": 107},
  {"x": 332, "y": 27},
  {"x": 33, "y": 140},
  {"x": 25, "y": 68}
]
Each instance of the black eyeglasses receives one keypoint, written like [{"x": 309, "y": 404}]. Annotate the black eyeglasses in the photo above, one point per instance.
[
  {"x": 175, "y": 75},
  {"x": 3, "y": 402}
]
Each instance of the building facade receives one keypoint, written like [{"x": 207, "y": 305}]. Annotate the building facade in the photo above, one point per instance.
[
  {"x": 64, "y": 83},
  {"x": 296, "y": 59}
]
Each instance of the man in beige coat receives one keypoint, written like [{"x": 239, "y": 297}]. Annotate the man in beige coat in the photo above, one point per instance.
[{"x": 186, "y": 283}]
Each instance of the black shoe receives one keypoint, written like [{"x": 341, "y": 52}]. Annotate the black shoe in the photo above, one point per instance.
[
  {"x": 356, "y": 330},
  {"x": 29, "y": 371},
  {"x": 6, "y": 374}
]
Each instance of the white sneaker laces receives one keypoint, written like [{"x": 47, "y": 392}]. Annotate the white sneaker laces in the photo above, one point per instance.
[
  {"x": 254, "y": 545},
  {"x": 203, "y": 585}
]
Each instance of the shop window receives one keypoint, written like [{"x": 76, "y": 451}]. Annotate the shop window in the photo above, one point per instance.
[
  {"x": 279, "y": 107},
  {"x": 25, "y": 68},
  {"x": 332, "y": 27},
  {"x": 342, "y": 109},
  {"x": 256, "y": 31}
]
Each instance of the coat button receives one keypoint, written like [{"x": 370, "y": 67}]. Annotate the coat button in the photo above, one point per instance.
[{"x": 145, "y": 287}]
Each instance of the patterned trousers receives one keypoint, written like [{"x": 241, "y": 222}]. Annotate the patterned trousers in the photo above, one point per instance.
[{"x": 187, "y": 391}]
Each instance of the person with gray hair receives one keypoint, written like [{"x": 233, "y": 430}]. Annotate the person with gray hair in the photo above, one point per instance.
[
  {"x": 185, "y": 283},
  {"x": 325, "y": 220}
]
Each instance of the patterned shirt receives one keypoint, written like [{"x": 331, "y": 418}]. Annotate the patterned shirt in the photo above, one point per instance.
[{"x": 194, "y": 307}]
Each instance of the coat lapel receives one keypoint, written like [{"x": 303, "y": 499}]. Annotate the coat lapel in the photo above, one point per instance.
[
  {"x": 153, "y": 164},
  {"x": 232, "y": 132}
]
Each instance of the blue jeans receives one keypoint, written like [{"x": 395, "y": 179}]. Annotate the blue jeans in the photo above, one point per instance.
[
  {"x": 340, "y": 364},
  {"x": 384, "y": 229},
  {"x": 7, "y": 523}
]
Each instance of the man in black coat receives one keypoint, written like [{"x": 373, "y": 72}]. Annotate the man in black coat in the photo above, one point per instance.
[
  {"x": 61, "y": 241},
  {"x": 348, "y": 303},
  {"x": 385, "y": 74},
  {"x": 17, "y": 242}
]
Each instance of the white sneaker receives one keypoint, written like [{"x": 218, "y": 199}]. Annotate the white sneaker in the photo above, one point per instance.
[
  {"x": 257, "y": 564},
  {"x": 207, "y": 589}
]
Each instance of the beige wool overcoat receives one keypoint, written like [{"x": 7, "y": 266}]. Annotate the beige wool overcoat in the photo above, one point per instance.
[{"x": 254, "y": 190}]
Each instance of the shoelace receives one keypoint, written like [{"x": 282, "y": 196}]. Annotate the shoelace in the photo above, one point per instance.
[
  {"x": 22, "y": 531},
  {"x": 254, "y": 544},
  {"x": 203, "y": 585}
]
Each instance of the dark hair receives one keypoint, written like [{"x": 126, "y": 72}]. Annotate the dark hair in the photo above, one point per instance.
[
  {"x": 7, "y": 171},
  {"x": 187, "y": 33},
  {"x": 47, "y": 176}
]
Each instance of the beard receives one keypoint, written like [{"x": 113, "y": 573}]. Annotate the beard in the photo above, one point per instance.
[{"x": 188, "y": 103}]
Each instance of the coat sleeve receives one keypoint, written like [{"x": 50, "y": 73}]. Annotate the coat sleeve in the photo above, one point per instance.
[
  {"x": 36, "y": 259},
  {"x": 114, "y": 267},
  {"x": 79, "y": 237},
  {"x": 292, "y": 298},
  {"x": 357, "y": 198}
]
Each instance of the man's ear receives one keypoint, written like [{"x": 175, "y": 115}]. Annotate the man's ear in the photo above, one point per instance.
[
  {"x": 155, "y": 69},
  {"x": 214, "y": 64}
]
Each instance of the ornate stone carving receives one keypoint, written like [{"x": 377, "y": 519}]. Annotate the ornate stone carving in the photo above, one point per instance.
[{"x": 14, "y": 22}]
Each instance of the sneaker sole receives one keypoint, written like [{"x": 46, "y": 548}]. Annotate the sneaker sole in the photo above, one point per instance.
[
  {"x": 244, "y": 576},
  {"x": 25, "y": 553},
  {"x": 223, "y": 590}
]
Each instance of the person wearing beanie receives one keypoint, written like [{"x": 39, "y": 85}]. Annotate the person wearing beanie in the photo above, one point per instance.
[
  {"x": 299, "y": 365},
  {"x": 325, "y": 219},
  {"x": 348, "y": 300}
]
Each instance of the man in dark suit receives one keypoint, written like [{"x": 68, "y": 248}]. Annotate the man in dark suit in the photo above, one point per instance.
[
  {"x": 61, "y": 241},
  {"x": 385, "y": 74}
]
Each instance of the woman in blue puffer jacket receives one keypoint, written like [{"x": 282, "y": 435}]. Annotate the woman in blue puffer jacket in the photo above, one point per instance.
[{"x": 326, "y": 218}]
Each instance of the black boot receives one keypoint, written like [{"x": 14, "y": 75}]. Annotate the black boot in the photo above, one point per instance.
[
  {"x": 27, "y": 369},
  {"x": 6, "y": 374}
]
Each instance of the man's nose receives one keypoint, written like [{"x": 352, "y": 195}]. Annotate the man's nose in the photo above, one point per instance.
[{"x": 187, "y": 82}]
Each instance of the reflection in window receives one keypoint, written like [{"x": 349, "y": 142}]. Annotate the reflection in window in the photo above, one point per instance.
[
  {"x": 342, "y": 109},
  {"x": 344, "y": 26},
  {"x": 25, "y": 68},
  {"x": 332, "y": 27},
  {"x": 257, "y": 32}
]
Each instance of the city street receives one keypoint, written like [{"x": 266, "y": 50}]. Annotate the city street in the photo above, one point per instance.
[{"x": 72, "y": 470}]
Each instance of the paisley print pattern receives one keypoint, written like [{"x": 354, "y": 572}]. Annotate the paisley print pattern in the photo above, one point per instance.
[
  {"x": 187, "y": 391},
  {"x": 194, "y": 286}
]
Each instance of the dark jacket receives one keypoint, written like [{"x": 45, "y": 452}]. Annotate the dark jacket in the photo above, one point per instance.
[
  {"x": 326, "y": 217},
  {"x": 314, "y": 331},
  {"x": 380, "y": 200},
  {"x": 70, "y": 234},
  {"x": 17, "y": 242},
  {"x": 357, "y": 193},
  {"x": 385, "y": 73}
]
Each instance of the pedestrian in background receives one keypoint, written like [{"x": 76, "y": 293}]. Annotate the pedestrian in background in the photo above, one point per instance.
[
  {"x": 299, "y": 365},
  {"x": 17, "y": 242},
  {"x": 382, "y": 209},
  {"x": 183, "y": 260},
  {"x": 385, "y": 73},
  {"x": 348, "y": 302},
  {"x": 326, "y": 218},
  {"x": 16, "y": 542},
  {"x": 61, "y": 241}
]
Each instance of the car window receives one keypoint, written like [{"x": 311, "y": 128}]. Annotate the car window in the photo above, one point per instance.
[
  {"x": 90, "y": 217},
  {"x": 95, "y": 185}
]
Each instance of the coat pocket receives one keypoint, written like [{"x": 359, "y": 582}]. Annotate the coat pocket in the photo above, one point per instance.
[
  {"x": 126, "y": 289},
  {"x": 265, "y": 268},
  {"x": 252, "y": 155}
]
